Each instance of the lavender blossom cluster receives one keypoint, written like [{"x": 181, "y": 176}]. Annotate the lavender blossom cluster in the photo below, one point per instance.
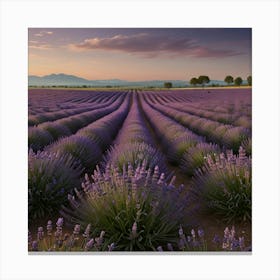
[{"x": 59, "y": 239}]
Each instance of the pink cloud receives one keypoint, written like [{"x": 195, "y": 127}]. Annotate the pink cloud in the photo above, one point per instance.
[
  {"x": 42, "y": 33},
  {"x": 151, "y": 46}
]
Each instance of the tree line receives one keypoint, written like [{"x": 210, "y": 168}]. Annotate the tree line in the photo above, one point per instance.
[{"x": 203, "y": 80}]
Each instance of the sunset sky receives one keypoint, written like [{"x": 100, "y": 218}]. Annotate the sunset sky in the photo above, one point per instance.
[{"x": 136, "y": 54}]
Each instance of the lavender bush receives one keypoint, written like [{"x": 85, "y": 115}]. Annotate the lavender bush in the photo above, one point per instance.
[
  {"x": 50, "y": 177},
  {"x": 56, "y": 129},
  {"x": 38, "y": 138},
  {"x": 224, "y": 186},
  {"x": 82, "y": 149},
  {"x": 194, "y": 157},
  {"x": 135, "y": 154},
  {"x": 137, "y": 209}
]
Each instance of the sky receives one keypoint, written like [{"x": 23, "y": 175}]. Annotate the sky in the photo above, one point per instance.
[{"x": 136, "y": 54}]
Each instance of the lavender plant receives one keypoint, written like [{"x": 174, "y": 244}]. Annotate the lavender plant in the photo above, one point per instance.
[
  {"x": 179, "y": 147},
  {"x": 59, "y": 239},
  {"x": 136, "y": 208},
  {"x": 234, "y": 137},
  {"x": 223, "y": 186},
  {"x": 230, "y": 241},
  {"x": 50, "y": 177},
  {"x": 55, "y": 129},
  {"x": 135, "y": 154},
  {"x": 194, "y": 157},
  {"x": 38, "y": 138},
  {"x": 247, "y": 146},
  {"x": 82, "y": 149}
]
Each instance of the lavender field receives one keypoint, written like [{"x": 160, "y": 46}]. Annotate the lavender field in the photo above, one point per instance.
[{"x": 139, "y": 170}]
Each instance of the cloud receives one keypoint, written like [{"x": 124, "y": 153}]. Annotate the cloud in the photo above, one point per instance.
[
  {"x": 42, "y": 33},
  {"x": 40, "y": 47},
  {"x": 151, "y": 46}
]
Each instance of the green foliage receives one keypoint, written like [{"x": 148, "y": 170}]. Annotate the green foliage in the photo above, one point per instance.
[
  {"x": 194, "y": 81},
  {"x": 249, "y": 80},
  {"x": 229, "y": 79},
  {"x": 168, "y": 85},
  {"x": 238, "y": 81},
  {"x": 202, "y": 80}
]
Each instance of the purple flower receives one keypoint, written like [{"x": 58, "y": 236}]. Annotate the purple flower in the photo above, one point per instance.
[
  {"x": 234, "y": 244},
  {"x": 34, "y": 245},
  {"x": 159, "y": 248},
  {"x": 49, "y": 227},
  {"x": 181, "y": 232},
  {"x": 241, "y": 242},
  {"x": 40, "y": 234},
  {"x": 170, "y": 247},
  {"x": 193, "y": 233},
  {"x": 87, "y": 231},
  {"x": 134, "y": 230},
  {"x": 216, "y": 239},
  {"x": 59, "y": 222},
  {"x": 200, "y": 233},
  {"x": 111, "y": 247},
  {"x": 89, "y": 244},
  {"x": 77, "y": 229}
]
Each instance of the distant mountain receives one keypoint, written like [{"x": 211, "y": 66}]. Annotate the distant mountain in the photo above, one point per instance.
[
  {"x": 56, "y": 80},
  {"x": 71, "y": 80}
]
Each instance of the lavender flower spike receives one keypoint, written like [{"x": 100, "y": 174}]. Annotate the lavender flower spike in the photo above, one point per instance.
[
  {"x": 34, "y": 245},
  {"x": 200, "y": 233},
  {"x": 170, "y": 247},
  {"x": 193, "y": 233},
  {"x": 40, "y": 234},
  {"x": 49, "y": 227},
  {"x": 111, "y": 247},
  {"x": 87, "y": 231},
  {"x": 77, "y": 229},
  {"x": 89, "y": 244},
  {"x": 159, "y": 248},
  {"x": 134, "y": 230},
  {"x": 59, "y": 222},
  {"x": 181, "y": 232}
]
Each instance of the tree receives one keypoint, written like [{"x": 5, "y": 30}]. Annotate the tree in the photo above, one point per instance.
[
  {"x": 202, "y": 80},
  {"x": 249, "y": 80},
  {"x": 194, "y": 81},
  {"x": 168, "y": 85},
  {"x": 229, "y": 79},
  {"x": 238, "y": 81}
]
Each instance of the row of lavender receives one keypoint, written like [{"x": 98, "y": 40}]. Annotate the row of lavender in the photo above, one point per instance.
[
  {"x": 36, "y": 119},
  {"x": 46, "y": 100},
  {"x": 128, "y": 180},
  {"x": 226, "y": 109},
  {"x": 231, "y": 137},
  {"x": 57, "y": 169},
  {"x": 44, "y": 134}
]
